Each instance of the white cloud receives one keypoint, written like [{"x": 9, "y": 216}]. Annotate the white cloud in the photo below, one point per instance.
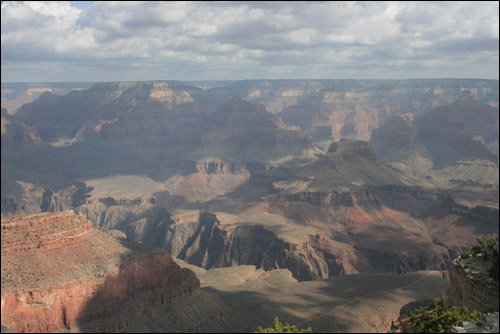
[{"x": 238, "y": 40}]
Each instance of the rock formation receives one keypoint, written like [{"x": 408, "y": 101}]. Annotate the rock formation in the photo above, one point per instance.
[
  {"x": 459, "y": 131},
  {"x": 471, "y": 285},
  {"x": 60, "y": 274},
  {"x": 207, "y": 174},
  {"x": 246, "y": 132},
  {"x": 353, "y": 108},
  {"x": 347, "y": 165},
  {"x": 14, "y": 95},
  {"x": 139, "y": 108},
  {"x": 458, "y": 141}
]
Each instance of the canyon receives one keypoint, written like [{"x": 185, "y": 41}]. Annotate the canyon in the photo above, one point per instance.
[
  {"x": 59, "y": 274},
  {"x": 274, "y": 175}
]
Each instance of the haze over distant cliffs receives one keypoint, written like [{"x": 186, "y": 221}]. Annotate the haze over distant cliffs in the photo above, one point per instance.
[
  {"x": 270, "y": 173},
  {"x": 459, "y": 140},
  {"x": 14, "y": 95}
]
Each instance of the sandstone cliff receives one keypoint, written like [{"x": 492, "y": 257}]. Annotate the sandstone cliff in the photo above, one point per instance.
[{"x": 59, "y": 274}]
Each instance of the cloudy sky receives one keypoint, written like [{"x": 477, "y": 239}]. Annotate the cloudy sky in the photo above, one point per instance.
[{"x": 126, "y": 41}]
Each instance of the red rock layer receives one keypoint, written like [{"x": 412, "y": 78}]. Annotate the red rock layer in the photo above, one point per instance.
[
  {"x": 95, "y": 282},
  {"x": 45, "y": 232}
]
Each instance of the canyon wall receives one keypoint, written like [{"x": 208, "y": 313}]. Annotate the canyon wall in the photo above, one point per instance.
[{"x": 60, "y": 274}]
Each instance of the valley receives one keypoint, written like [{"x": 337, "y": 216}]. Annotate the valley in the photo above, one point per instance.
[{"x": 277, "y": 194}]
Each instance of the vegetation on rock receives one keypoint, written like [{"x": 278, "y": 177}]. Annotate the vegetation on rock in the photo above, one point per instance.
[
  {"x": 488, "y": 250},
  {"x": 278, "y": 327},
  {"x": 437, "y": 317}
]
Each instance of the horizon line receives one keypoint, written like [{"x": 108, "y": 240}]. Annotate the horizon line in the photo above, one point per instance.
[{"x": 236, "y": 80}]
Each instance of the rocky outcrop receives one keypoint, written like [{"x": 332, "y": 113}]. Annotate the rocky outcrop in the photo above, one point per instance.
[
  {"x": 395, "y": 139},
  {"x": 471, "y": 286},
  {"x": 59, "y": 274},
  {"x": 208, "y": 166}
]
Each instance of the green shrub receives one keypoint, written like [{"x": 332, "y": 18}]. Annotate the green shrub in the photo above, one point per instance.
[
  {"x": 488, "y": 250},
  {"x": 278, "y": 327},
  {"x": 465, "y": 255},
  {"x": 437, "y": 319}
]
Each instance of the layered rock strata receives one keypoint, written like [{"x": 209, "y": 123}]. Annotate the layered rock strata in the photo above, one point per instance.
[{"x": 59, "y": 274}]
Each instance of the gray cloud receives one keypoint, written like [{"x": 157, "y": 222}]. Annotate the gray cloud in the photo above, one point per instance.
[{"x": 110, "y": 41}]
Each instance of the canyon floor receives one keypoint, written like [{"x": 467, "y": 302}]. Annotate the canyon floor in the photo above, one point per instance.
[{"x": 361, "y": 303}]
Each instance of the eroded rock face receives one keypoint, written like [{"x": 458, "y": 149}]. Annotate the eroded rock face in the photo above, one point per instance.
[
  {"x": 211, "y": 245},
  {"x": 209, "y": 241},
  {"x": 471, "y": 286},
  {"x": 58, "y": 274}
]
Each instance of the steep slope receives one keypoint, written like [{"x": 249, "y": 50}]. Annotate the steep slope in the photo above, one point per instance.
[
  {"x": 451, "y": 143},
  {"x": 59, "y": 274},
  {"x": 472, "y": 286},
  {"x": 141, "y": 108},
  {"x": 459, "y": 131},
  {"x": 245, "y": 132},
  {"x": 17, "y": 138},
  {"x": 14, "y": 95},
  {"x": 347, "y": 165}
]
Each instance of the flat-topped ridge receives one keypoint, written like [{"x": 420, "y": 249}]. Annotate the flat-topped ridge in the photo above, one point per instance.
[{"x": 350, "y": 149}]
